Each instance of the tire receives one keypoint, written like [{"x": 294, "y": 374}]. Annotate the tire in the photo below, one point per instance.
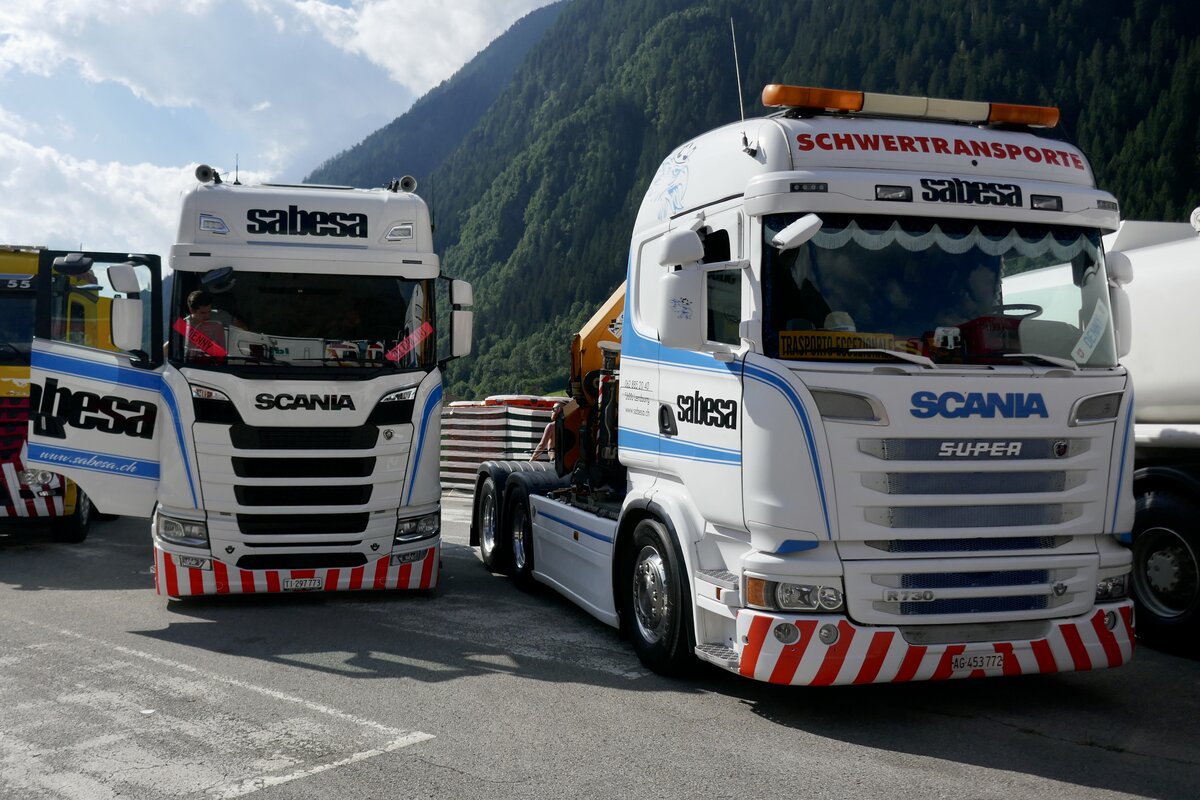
[
  {"x": 493, "y": 543},
  {"x": 74, "y": 529},
  {"x": 520, "y": 535},
  {"x": 1166, "y": 570},
  {"x": 655, "y": 605}
]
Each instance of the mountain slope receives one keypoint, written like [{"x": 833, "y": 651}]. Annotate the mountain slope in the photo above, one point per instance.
[{"x": 416, "y": 142}]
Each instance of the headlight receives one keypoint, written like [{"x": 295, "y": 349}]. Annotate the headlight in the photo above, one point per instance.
[
  {"x": 418, "y": 528},
  {"x": 786, "y": 596},
  {"x": 181, "y": 531},
  {"x": 34, "y": 477},
  {"x": 1114, "y": 588}
]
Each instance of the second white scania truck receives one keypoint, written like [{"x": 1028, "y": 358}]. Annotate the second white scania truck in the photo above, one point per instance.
[
  {"x": 867, "y": 421},
  {"x": 286, "y": 437}
]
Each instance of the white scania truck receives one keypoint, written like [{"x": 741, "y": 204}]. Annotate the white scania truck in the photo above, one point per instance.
[
  {"x": 1166, "y": 532},
  {"x": 286, "y": 436},
  {"x": 867, "y": 423}
]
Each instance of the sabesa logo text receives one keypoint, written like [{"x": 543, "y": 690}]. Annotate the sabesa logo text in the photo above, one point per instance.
[{"x": 957, "y": 405}]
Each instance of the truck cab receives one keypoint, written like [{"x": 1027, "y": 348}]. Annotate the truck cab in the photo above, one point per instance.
[
  {"x": 277, "y": 413},
  {"x": 871, "y": 415}
]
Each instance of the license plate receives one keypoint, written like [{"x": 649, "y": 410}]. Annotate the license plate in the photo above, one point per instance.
[
  {"x": 988, "y": 662},
  {"x": 302, "y": 584}
]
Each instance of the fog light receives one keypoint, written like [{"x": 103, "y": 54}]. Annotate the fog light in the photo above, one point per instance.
[
  {"x": 1115, "y": 587},
  {"x": 828, "y": 634},
  {"x": 34, "y": 477},
  {"x": 1110, "y": 620},
  {"x": 418, "y": 528},
  {"x": 787, "y": 633}
]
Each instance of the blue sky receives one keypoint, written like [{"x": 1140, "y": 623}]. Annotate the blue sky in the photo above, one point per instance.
[{"x": 107, "y": 106}]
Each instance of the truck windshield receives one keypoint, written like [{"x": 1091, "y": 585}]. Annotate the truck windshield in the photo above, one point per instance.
[
  {"x": 16, "y": 327},
  {"x": 953, "y": 291},
  {"x": 278, "y": 321}
]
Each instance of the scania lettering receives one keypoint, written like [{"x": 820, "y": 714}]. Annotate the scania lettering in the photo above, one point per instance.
[
  {"x": 956, "y": 405},
  {"x": 865, "y": 421},
  {"x": 325, "y": 402},
  {"x": 36, "y": 496},
  {"x": 286, "y": 436}
]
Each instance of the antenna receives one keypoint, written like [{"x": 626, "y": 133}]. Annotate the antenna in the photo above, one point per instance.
[
  {"x": 737, "y": 71},
  {"x": 236, "y": 182}
]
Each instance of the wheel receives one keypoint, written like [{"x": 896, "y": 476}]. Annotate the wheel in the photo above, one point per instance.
[
  {"x": 520, "y": 535},
  {"x": 1166, "y": 565},
  {"x": 74, "y": 529},
  {"x": 656, "y": 610},
  {"x": 1031, "y": 309},
  {"x": 493, "y": 545}
]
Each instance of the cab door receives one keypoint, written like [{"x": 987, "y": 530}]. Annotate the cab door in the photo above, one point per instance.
[{"x": 95, "y": 411}]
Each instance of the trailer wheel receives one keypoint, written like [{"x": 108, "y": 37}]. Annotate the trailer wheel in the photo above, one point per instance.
[
  {"x": 1166, "y": 569},
  {"x": 74, "y": 529},
  {"x": 493, "y": 547},
  {"x": 520, "y": 535},
  {"x": 655, "y": 609}
]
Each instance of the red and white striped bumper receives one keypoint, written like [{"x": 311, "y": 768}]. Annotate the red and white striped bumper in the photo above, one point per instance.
[
  {"x": 175, "y": 580},
  {"x": 881, "y": 655}
]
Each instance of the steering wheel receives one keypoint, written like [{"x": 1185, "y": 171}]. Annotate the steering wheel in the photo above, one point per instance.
[{"x": 1031, "y": 310}]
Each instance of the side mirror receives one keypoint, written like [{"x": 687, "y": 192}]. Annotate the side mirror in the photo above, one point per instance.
[
  {"x": 681, "y": 247},
  {"x": 1120, "y": 268},
  {"x": 127, "y": 324},
  {"x": 72, "y": 264},
  {"x": 797, "y": 233},
  {"x": 681, "y": 321},
  {"x": 462, "y": 325},
  {"x": 461, "y": 294},
  {"x": 1122, "y": 319},
  {"x": 123, "y": 278}
]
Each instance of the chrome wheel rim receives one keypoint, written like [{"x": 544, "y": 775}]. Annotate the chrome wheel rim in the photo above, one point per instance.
[
  {"x": 651, "y": 595},
  {"x": 487, "y": 523},
  {"x": 518, "y": 537}
]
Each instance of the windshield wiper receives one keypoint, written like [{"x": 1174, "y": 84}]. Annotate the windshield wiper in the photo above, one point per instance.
[
  {"x": 1052, "y": 360},
  {"x": 912, "y": 358}
]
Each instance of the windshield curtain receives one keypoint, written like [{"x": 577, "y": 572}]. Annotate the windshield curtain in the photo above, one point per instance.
[
  {"x": 954, "y": 291},
  {"x": 278, "y": 321},
  {"x": 16, "y": 327}
]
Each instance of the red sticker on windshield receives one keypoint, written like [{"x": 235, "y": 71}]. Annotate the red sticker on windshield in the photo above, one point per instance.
[
  {"x": 408, "y": 343},
  {"x": 197, "y": 337}
]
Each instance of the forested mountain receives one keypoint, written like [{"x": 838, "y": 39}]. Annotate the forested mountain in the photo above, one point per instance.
[
  {"x": 419, "y": 140},
  {"x": 536, "y": 201}
]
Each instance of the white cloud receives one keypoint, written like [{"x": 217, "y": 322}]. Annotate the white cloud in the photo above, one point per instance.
[
  {"x": 96, "y": 96},
  {"x": 102, "y": 206}
]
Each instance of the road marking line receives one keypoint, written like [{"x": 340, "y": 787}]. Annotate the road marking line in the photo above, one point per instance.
[
  {"x": 251, "y": 785},
  {"x": 400, "y": 738}
]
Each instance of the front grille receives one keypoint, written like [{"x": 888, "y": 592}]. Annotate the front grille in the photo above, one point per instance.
[
  {"x": 1022, "y": 515},
  {"x": 970, "y": 580},
  {"x": 970, "y": 482},
  {"x": 302, "y": 495},
  {"x": 14, "y": 419},
  {"x": 248, "y": 437},
  {"x": 302, "y": 561},
  {"x": 1002, "y": 544},
  {"x": 302, "y": 524},
  {"x": 975, "y": 605},
  {"x": 303, "y": 467}
]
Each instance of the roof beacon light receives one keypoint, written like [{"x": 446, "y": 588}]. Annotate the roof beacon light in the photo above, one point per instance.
[{"x": 895, "y": 105}]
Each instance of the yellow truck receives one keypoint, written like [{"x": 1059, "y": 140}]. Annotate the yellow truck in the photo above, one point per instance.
[{"x": 37, "y": 494}]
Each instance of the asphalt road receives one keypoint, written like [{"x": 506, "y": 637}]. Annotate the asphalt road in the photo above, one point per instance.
[{"x": 483, "y": 691}]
